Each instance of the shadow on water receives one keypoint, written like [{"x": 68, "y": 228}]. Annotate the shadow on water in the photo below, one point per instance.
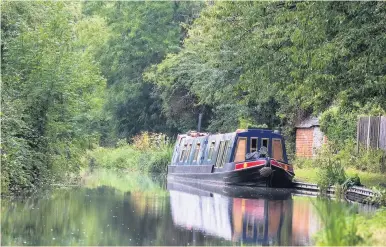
[{"x": 122, "y": 209}]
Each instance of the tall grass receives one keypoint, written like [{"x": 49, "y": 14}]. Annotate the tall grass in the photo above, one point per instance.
[
  {"x": 343, "y": 225},
  {"x": 372, "y": 228},
  {"x": 147, "y": 153},
  {"x": 339, "y": 224}
]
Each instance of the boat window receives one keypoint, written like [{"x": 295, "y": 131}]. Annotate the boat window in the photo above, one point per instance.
[
  {"x": 253, "y": 144},
  {"x": 196, "y": 151},
  {"x": 225, "y": 153},
  {"x": 277, "y": 149},
  {"x": 211, "y": 149},
  {"x": 188, "y": 152},
  {"x": 220, "y": 154},
  {"x": 264, "y": 142},
  {"x": 180, "y": 142},
  {"x": 241, "y": 149},
  {"x": 183, "y": 151}
]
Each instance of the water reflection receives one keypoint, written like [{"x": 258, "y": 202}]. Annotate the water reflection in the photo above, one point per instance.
[
  {"x": 108, "y": 210},
  {"x": 265, "y": 217},
  {"x": 139, "y": 210}
]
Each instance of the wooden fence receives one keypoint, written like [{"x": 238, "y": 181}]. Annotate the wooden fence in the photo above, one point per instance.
[{"x": 371, "y": 132}]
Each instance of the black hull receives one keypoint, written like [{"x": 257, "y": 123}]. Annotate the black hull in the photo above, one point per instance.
[
  {"x": 251, "y": 176},
  {"x": 206, "y": 189}
]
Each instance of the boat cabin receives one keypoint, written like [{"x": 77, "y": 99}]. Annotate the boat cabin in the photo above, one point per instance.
[{"x": 216, "y": 150}]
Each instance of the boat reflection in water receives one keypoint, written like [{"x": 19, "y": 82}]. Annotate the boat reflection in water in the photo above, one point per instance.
[{"x": 241, "y": 214}]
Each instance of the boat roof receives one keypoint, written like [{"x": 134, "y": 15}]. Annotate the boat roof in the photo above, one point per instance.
[{"x": 260, "y": 131}]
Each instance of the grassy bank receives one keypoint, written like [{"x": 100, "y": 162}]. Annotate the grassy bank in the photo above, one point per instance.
[
  {"x": 368, "y": 179},
  {"x": 145, "y": 154},
  {"x": 129, "y": 158},
  {"x": 342, "y": 164},
  {"x": 373, "y": 227}
]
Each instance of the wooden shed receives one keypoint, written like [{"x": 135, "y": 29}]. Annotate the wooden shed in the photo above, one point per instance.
[{"x": 309, "y": 137}]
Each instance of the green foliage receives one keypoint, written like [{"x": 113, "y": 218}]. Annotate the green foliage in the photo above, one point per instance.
[
  {"x": 75, "y": 75},
  {"x": 52, "y": 92},
  {"x": 276, "y": 63},
  {"x": 333, "y": 160},
  {"x": 354, "y": 180},
  {"x": 330, "y": 169},
  {"x": 148, "y": 153},
  {"x": 301, "y": 163},
  {"x": 339, "y": 225},
  {"x": 379, "y": 196},
  {"x": 370, "y": 160},
  {"x": 142, "y": 33},
  {"x": 338, "y": 125},
  {"x": 339, "y": 122},
  {"x": 367, "y": 179},
  {"x": 372, "y": 227}
]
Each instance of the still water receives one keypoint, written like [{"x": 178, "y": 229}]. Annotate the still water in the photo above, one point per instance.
[{"x": 114, "y": 209}]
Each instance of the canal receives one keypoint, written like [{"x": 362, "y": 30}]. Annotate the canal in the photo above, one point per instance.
[{"x": 113, "y": 209}]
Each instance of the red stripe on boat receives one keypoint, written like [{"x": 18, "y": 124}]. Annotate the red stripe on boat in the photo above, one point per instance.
[
  {"x": 286, "y": 167},
  {"x": 249, "y": 164}
]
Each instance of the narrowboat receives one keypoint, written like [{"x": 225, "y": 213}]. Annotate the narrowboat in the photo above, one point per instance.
[{"x": 250, "y": 157}]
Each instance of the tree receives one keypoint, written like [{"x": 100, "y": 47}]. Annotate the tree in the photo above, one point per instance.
[
  {"x": 142, "y": 34},
  {"x": 52, "y": 92}
]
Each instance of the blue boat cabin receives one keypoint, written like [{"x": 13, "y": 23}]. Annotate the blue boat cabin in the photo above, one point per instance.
[{"x": 215, "y": 150}]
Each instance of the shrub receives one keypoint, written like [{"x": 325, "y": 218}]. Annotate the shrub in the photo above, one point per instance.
[
  {"x": 338, "y": 124},
  {"x": 158, "y": 161},
  {"x": 333, "y": 158},
  {"x": 330, "y": 170},
  {"x": 371, "y": 160},
  {"x": 150, "y": 141},
  {"x": 379, "y": 196}
]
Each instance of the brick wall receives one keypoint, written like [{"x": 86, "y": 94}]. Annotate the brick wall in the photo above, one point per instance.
[{"x": 304, "y": 142}]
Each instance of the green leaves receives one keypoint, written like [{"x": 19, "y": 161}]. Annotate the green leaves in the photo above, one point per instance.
[
  {"x": 156, "y": 65},
  {"x": 280, "y": 61},
  {"x": 52, "y": 94}
]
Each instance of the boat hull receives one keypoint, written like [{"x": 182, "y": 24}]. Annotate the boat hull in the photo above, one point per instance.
[{"x": 264, "y": 175}]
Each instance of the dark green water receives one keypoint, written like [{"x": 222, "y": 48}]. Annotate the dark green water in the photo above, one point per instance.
[{"x": 111, "y": 209}]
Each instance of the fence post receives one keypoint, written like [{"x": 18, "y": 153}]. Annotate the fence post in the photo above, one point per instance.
[
  {"x": 368, "y": 134},
  {"x": 379, "y": 130},
  {"x": 358, "y": 128}
]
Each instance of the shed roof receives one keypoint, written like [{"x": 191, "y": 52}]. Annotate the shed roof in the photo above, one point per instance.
[{"x": 308, "y": 122}]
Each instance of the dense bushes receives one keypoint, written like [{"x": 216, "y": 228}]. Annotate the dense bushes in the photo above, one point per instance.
[
  {"x": 52, "y": 92},
  {"x": 147, "y": 153}
]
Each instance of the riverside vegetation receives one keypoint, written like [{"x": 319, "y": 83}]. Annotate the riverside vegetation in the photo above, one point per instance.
[
  {"x": 81, "y": 79},
  {"x": 343, "y": 166},
  {"x": 148, "y": 153},
  {"x": 85, "y": 84},
  {"x": 343, "y": 226}
]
